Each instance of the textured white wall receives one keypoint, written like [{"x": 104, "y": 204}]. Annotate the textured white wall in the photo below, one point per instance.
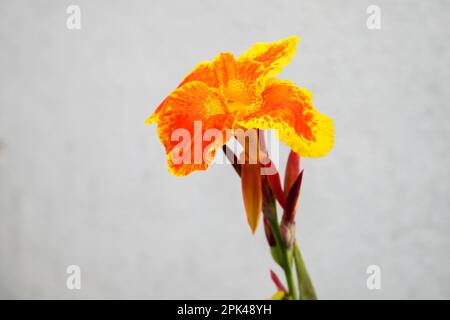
[{"x": 83, "y": 180}]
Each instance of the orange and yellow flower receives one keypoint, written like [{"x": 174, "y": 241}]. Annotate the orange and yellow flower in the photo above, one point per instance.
[{"x": 229, "y": 93}]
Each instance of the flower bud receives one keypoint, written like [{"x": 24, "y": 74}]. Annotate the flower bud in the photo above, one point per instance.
[
  {"x": 292, "y": 171},
  {"x": 287, "y": 229},
  {"x": 269, "y": 234},
  {"x": 269, "y": 207},
  {"x": 291, "y": 200},
  {"x": 270, "y": 171}
]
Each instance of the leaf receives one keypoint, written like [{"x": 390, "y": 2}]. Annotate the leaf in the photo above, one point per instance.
[{"x": 307, "y": 291}]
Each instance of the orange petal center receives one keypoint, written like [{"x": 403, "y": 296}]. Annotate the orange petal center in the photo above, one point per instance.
[{"x": 239, "y": 95}]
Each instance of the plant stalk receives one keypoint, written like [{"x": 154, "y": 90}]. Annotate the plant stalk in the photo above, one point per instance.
[{"x": 305, "y": 285}]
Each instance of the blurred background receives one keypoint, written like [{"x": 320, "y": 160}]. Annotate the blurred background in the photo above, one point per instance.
[{"x": 84, "y": 182}]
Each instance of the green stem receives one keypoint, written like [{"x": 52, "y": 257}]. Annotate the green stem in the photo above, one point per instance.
[
  {"x": 305, "y": 285},
  {"x": 285, "y": 259}
]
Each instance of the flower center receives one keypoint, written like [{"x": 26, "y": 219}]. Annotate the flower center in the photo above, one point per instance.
[{"x": 235, "y": 95}]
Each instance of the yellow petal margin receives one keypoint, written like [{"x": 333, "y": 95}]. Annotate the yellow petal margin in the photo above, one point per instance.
[
  {"x": 273, "y": 55},
  {"x": 289, "y": 110}
]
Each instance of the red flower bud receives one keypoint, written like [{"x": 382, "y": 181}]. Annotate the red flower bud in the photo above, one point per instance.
[
  {"x": 269, "y": 207},
  {"x": 292, "y": 171},
  {"x": 270, "y": 171},
  {"x": 269, "y": 235},
  {"x": 291, "y": 200},
  {"x": 287, "y": 229}
]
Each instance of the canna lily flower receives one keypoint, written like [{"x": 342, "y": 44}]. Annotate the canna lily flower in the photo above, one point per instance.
[
  {"x": 229, "y": 93},
  {"x": 233, "y": 97}
]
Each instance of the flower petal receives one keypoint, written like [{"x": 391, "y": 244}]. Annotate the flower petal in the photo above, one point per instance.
[
  {"x": 252, "y": 193},
  {"x": 204, "y": 72},
  {"x": 191, "y": 126},
  {"x": 274, "y": 55},
  {"x": 279, "y": 295},
  {"x": 289, "y": 109},
  {"x": 224, "y": 69},
  {"x": 241, "y": 82}
]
